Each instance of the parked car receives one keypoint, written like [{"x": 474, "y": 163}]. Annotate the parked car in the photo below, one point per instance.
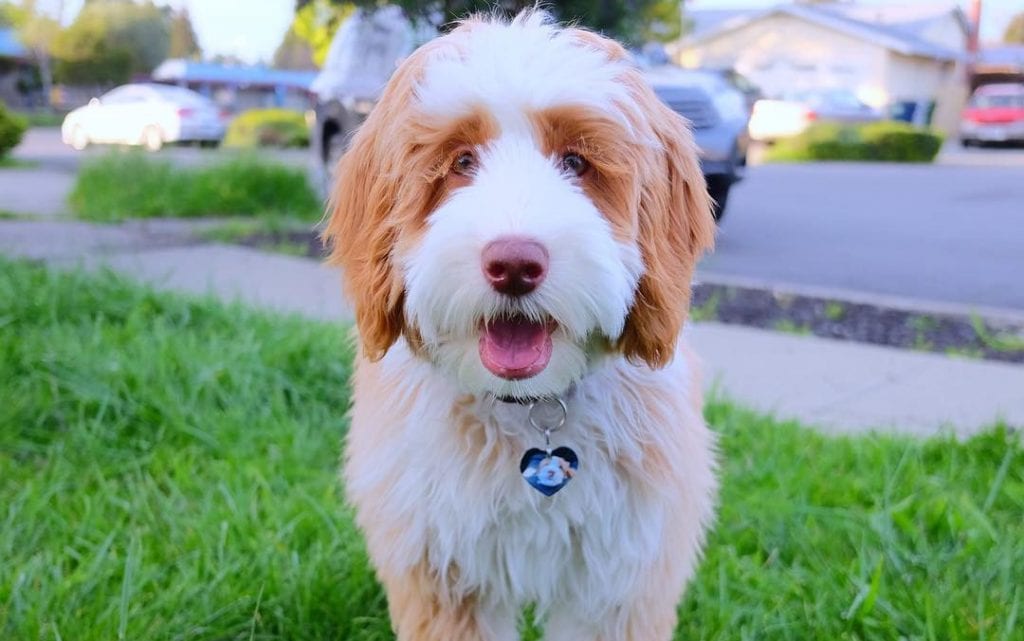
[
  {"x": 349, "y": 86},
  {"x": 718, "y": 113},
  {"x": 791, "y": 114},
  {"x": 146, "y": 114},
  {"x": 995, "y": 113}
]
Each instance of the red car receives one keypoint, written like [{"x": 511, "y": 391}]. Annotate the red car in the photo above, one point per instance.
[{"x": 994, "y": 114}]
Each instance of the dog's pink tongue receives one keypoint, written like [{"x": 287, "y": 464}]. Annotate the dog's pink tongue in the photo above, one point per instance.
[{"x": 515, "y": 348}]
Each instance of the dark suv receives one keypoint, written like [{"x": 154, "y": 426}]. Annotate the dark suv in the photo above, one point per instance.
[
  {"x": 718, "y": 113},
  {"x": 716, "y": 109}
]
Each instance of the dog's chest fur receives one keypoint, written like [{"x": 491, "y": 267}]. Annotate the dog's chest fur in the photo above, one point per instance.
[{"x": 435, "y": 479}]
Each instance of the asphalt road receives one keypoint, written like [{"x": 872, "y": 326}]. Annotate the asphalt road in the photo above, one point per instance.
[{"x": 951, "y": 232}]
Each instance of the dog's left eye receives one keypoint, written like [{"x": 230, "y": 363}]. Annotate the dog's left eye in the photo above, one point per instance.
[
  {"x": 465, "y": 163},
  {"x": 575, "y": 164}
]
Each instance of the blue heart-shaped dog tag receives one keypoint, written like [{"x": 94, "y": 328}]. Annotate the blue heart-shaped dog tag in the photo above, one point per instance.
[{"x": 549, "y": 472}]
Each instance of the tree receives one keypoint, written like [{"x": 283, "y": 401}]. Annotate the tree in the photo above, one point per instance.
[
  {"x": 183, "y": 41},
  {"x": 111, "y": 40},
  {"x": 316, "y": 21},
  {"x": 631, "y": 21},
  {"x": 38, "y": 33},
  {"x": 1014, "y": 33},
  {"x": 293, "y": 53}
]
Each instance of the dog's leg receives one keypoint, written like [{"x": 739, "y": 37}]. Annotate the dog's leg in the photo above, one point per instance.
[{"x": 423, "y": 610}]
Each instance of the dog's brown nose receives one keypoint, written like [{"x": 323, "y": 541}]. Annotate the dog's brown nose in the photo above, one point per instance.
[{"x": 514, "y": 265}]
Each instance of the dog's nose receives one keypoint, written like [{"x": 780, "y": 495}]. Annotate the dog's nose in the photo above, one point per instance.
[{"x": 515, "y": 266}]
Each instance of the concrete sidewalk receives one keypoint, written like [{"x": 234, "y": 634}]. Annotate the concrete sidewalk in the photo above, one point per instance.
[{"x": 835, "y": 385}]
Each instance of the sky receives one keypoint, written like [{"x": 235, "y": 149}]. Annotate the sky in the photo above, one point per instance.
[{"x": 252, "y": 29}]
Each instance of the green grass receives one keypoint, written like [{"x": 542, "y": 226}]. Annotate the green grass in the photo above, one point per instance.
[
  {"x": 7, "y": 162},
  {"x": 998, "y": 341},
  {"x": 835, "y": 311},
  {"x": 43, "y": 118},
  {"x": 789, "y": 327},
  {"x": 123, "y": 185},
  {"x": 168, "y": 470}
]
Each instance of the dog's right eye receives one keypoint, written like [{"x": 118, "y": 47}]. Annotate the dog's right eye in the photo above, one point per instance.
[{"x": 465, "y": 164}]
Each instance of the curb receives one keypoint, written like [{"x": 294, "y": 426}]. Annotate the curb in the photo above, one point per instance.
[{"x": 997, "y": 315}]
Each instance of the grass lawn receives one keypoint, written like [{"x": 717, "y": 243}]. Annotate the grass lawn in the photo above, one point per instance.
[
  {"x": 132, "y": 184},
  {"x": 168, "y": 471}
]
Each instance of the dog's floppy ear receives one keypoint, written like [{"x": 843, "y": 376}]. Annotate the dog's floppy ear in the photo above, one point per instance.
[
  {"x": 363, "y": 229},
  {"x": 675, "y": 228}
]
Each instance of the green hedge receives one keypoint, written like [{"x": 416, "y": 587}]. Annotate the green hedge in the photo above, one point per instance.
[
  {"x": 268, "y": 128},
  {"x": 872, "y": 142},
  {"x": 134, "y": 185},
  {"x": 12, "y": 128}
]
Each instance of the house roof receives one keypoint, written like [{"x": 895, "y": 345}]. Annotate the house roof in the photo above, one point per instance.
[
  {"x": 1009, "y": 57},
  {"x": 179, "y": 70},
  {"x": 10, "y": 47},
  {"x": 891, "y": 33}
]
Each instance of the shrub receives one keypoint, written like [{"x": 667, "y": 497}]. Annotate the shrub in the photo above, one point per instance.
[
  {"x": 268, "y": 128},
  {"x": 878, "y": 141},
  {"x": 12, "y": 128},
  {"x": 132, "y": 185}
]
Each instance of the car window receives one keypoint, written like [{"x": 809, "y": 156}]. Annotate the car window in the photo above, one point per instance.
[
  {"x": 997, "y": 101},
  {"x": 179, "y": 95}
]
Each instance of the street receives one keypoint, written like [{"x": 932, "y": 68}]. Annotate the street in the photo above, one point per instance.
[{"x": 951, "y": 232}]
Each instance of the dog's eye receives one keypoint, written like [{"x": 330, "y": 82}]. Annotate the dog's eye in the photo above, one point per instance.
[
  {"x": 575, "y": 164},
  {"x": 465, "y": 163}
]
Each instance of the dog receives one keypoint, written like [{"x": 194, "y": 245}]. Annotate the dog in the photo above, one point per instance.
[{"x": 517, "y": 223}]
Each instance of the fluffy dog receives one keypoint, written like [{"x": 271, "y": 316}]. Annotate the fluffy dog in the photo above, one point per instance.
[{"x": 519, "y": 219}]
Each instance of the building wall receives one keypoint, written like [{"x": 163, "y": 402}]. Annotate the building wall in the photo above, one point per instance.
[
  {"x": 946, "y": 31},
  {"x": 910, "y": 78},
  {"x": 781, "y": 53}
]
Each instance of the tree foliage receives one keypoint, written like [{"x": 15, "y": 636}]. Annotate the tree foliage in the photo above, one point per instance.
[
  {"x": 631, "y": 21},
  {"x": 293, "y": 52},
  {"x": 37, "y": 32},
  {"x": 1014, "y": 33},
  {"x": 183, "y": 40},
  {"x": 111, "y": 40},
  {"x": 315, "y": 23}
]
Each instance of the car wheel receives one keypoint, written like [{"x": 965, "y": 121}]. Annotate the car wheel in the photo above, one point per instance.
[
  {"x": 152, "y": 138},
  {"x": 79, "y": 138},
  {"x": 718, "y": 189},
  {"x": 966, "y": 142},
  {"x": 209, "y": 144}
]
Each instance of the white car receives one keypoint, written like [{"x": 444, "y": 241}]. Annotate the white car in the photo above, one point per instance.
[
  {"x": 795, "y": 112},
  {"x": 150, "y": 115}
]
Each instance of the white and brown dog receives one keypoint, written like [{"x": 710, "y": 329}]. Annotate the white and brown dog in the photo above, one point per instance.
[{"x": 519, "y": 219}]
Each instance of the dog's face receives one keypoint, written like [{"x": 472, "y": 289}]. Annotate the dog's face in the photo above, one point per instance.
[{"x": 518, "y": 204}]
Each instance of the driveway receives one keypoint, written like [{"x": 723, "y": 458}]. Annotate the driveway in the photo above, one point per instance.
[{"x": 951, "y": 232}]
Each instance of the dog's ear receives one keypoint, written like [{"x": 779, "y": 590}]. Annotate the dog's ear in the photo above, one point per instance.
[
  {"x": 363, "y": 227},
  {"x": 676, "y": 227}
]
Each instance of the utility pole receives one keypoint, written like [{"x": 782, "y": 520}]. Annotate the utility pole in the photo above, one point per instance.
[{"x": 974, "y": 17}]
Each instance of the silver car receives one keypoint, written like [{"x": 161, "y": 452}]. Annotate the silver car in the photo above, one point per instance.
[{"x": 146, "y": 114}]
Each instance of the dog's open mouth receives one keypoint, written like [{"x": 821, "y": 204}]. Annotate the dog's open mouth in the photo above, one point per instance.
[{"x": 516, "y": 347}]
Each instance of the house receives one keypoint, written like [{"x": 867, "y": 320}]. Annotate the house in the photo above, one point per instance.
[
  {"x": 18, "y": 77},
  {"x": 907, "y": 58},
  {"x": 1000, "y": 63},
  {"x": 240, "y": 87}
]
